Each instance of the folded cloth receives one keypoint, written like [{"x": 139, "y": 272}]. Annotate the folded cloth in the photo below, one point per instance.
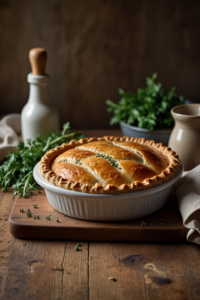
[
  {"x": 10, "y": 134},
  {"x": 188, "y": 196}
]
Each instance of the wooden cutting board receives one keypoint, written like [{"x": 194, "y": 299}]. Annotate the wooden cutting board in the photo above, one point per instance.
[{"x": 162, "y": 226}]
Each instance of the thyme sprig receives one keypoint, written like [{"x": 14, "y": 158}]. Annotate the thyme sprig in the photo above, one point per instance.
[
  {"x": 29, "y": 213},
  {"x": 77, "y": 247},
  {"x": 109, "y": 158},
  {"x": 17, "y": 170},
  {"x": 48, "y": 217},
  {"x": 143, "y": 224},
  {"x": 36, "y": 217}
]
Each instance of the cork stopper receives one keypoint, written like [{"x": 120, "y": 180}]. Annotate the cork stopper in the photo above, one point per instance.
[{"x": 38, "y": 59}]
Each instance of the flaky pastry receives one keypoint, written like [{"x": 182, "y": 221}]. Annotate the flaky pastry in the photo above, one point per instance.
[{"x": 109, "y": 165}]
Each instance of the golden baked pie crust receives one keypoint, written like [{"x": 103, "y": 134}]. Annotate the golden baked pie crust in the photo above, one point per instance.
[{"x": 168, "y": 155}]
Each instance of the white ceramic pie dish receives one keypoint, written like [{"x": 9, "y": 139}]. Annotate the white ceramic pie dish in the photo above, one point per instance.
[{"x": 106, "y": 207}]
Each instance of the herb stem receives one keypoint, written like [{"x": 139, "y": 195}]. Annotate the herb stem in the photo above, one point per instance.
[
  {"x": 69, "y": 135},
  {"x": 12, "y": 171},
  {"x": 17, "y": 170},
  {"x": 26, "y": 184}
]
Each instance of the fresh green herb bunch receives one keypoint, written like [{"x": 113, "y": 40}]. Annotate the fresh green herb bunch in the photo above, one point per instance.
[
  {"x": 149, "y": 108},
  {"x": 17, "y": 170}
]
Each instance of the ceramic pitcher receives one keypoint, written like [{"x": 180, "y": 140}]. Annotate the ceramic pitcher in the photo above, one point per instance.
[{"x": 185, "y": 137}]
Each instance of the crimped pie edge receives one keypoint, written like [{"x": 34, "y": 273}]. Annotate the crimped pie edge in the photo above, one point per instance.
[{"x": 166, "y": 174}]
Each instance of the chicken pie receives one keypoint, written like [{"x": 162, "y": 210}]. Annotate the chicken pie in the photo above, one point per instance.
[{"x": 109, "y": 165}]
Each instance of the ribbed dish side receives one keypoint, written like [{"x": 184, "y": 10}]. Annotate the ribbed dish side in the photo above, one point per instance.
[{"x": 104, "y": 210}]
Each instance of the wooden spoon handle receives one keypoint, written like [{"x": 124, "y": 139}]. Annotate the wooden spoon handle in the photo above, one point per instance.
[{"x": 38, "y": 59}]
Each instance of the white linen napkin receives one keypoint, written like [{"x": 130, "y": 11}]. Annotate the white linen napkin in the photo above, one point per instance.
[
  {"x": 10, "y": 134},
  {"x": 188, "y": 196}
]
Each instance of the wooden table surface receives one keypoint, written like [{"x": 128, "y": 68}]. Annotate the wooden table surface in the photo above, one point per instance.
[{"x": 37, "y": 269}]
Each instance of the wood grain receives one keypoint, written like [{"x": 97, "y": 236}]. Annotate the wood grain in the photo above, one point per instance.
[
  {"x": 191, "y": 267},
  {"x": 96, "y": 47},
  {"x": 75, "y": 277},
  {"x": 53, "y": 270},
  {"x": 147, "y": 272},
  {"x": 7, "y": 240},
  {"x": 105, "y": 262},
  {"x": 164, "y": 225},
  {"x": 46, "y": 269},
  {"x": 36, "y": 269}
]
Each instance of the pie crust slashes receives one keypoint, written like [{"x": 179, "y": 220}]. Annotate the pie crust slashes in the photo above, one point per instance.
[{"x": 109, "y": 165}]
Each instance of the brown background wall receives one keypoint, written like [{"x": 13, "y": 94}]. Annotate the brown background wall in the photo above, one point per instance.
[{"x": 94, "y": 48}]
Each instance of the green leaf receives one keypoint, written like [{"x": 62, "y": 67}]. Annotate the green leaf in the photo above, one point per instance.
[
  {"x": 48, "y": 217},
  {"x": 17, "y": 170},
  {"x": 149, "y": 108}
]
